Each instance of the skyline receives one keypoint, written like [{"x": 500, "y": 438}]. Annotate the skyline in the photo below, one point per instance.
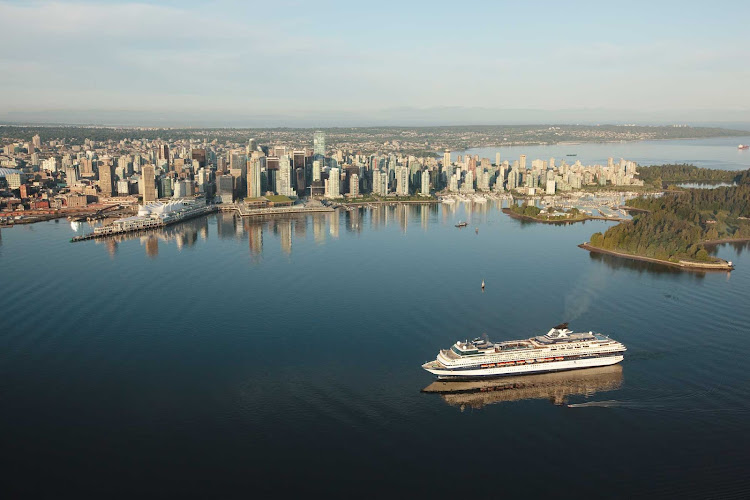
[{"x": 328, "y": 64}]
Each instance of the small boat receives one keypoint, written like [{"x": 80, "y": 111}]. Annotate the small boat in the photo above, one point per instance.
[
  {"x": 482, "y": 284},
  {"x": 462, "y": 224},
  {"x": 572, "y": 154},
  {"x": 743, "y": 146},
  {"x": 476, "y": 230}
]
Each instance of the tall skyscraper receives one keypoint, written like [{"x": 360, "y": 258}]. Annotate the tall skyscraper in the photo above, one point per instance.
[
  {"x": 333, "y": 189},
  {"x": 36, "y": 142},
  {"x": 319, "y": 143},
  {"x": 316, "y": 170},
  {"x": 523, "y": 162},
  {"x": 285, "y": 176},
  {"x": 354, "y": 185},
  {"x": 425, "y": 182},
  {"x": 402, "y": 181},
  {"x": 148, "y": 178},
  {"x": 106, "y": 176},
  {"x": 253, "y": 179},
  {"x": 446, "y": 159}
]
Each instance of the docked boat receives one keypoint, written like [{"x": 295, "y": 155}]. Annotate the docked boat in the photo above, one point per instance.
[{"x": 557, "y": 350}]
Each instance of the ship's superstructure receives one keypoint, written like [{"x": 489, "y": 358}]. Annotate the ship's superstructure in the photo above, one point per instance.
[{"x": 559, "y": 349}]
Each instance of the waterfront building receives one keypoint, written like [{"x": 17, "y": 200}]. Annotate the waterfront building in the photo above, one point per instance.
[
  {"x": 425, "y": 182},
  {"x": 225, "y": 188},
  {"x": 402, "y": 181},
  {"x": 148, "y": 178},
  {"x": 284, "y": 182},
  {"x": 522, "y": 162},
  {"x": 333, "y": 184},
  {"x": 550, "y": 186},
  {"x": 354, "y": 185},
  {"x": 453, "y": 183},
  {"x": 253, "y": 179},
  {"x": 497, "y": 159},
  {"x": 379, "y": 182}
]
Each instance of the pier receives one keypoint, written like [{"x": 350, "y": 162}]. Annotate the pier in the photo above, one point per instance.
[
  {"x": 244, "y": 211},
  {"x": 137, "y": 224}
]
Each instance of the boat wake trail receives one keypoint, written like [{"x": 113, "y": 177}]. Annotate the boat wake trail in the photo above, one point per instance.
[{"x": 654, "y": 406}]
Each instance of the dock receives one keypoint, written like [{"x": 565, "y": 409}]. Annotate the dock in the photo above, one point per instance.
[
  {"x": 244, "y": 211},
  {"x": 145, "y": 224}
]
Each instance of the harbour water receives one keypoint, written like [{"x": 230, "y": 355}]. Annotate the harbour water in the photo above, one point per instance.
[
  {"x": 717, "y": 152},
  {"x": 227, "y": 357}
]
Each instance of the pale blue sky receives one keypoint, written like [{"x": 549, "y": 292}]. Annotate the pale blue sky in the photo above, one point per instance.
[{"x": 288, "y": 62}]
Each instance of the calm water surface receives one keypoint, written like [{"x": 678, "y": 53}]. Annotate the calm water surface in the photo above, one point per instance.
[
  {"x": 717, "y": 152},
  {"x": 222, "y": 357}
]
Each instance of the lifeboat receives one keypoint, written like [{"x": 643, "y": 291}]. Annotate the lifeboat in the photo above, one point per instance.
[{"x": 558, "y": 359}]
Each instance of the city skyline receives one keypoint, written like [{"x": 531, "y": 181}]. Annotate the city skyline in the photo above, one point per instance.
[{"x": 338, "y": 64}]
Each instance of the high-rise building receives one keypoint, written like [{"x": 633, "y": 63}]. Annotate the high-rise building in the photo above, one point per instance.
[
  {"x": 148, "y": 178},
  {"x": 106, "y": 176},
  {"x": 316, "y": 170},
  {"x": 284, "y": 184},
  {"x": 225, "y": 188},
  {"x": 200, "y": 156},
  {"x": 333, "y": 189},
  {"x": 446, "y": 159},
  {"x": 71, "y": 176},
  {"x": 497, "y": 159},
  {"x": 253, "y": 179},
  {"x": 319, "y": 143},
  {"x": 36, "y": 142},
  {"x": 165, "y": 187},
  {"x": 354, "y": 185},
  {"x": 402, "y": 181},
  {"x": 522, "y": 162},
  {"x": 425, "y": 182}
]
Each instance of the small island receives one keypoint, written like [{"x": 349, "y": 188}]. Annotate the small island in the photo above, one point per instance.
[{"x": 674, "y": 229}]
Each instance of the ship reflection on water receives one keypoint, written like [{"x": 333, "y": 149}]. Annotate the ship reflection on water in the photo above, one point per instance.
[{"x": 556, "y": 387}]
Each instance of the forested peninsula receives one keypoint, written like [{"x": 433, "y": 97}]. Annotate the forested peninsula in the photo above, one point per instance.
[{"x": 677, "y": 225}]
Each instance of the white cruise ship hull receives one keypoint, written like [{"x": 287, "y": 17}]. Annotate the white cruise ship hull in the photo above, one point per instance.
[{"x": 552, "y": 366}]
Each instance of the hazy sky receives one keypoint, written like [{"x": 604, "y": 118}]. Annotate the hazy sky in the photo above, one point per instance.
[{"x": 341, "y": 61}]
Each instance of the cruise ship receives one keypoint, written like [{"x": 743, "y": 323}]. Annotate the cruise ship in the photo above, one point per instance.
[{"x": 559, "y": 349}]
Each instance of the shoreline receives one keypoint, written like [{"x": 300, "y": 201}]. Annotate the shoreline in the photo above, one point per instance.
[
  {"x": 582, "y": 142},
  {"x": 726, "y": 240},
  {"x": 686, "y": 265}
]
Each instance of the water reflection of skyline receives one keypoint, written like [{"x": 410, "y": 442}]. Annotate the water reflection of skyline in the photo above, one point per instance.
[
  {"x": 555, "y": 387},
  {"x": 324, "y": 226}
]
